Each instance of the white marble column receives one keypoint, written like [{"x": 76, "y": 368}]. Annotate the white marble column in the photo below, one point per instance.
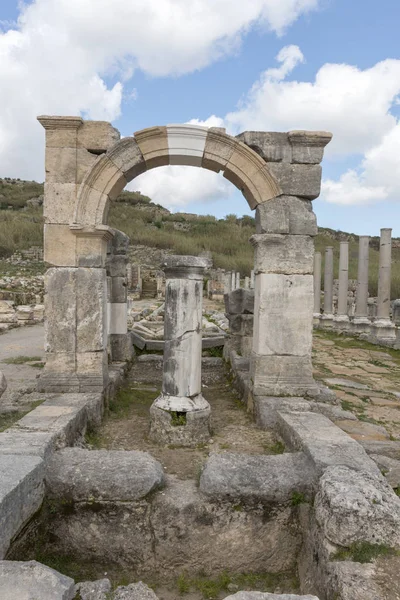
[
  {"x": 361, "y": 322},
  {"x": 341, "y": 320},
  {"x": 233, "y": 281},
  {"x": 383, "y": 330},
  {"x": 180, "y": 415},
  {"x": 247, "y": 283},
  {"x": 317, "y": 288},
  {"x": 252, "y": 279},
  {"x": 327, "y": 317},
  {"x": 237, "y": 286}
]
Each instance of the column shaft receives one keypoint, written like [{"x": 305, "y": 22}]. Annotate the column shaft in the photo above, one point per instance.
[
  {"x": 328, "y": 282},
  {"x": 317, "y": 283},
  {"x": 362, "y": 277},
  {"x": 343, "y": 278},
  {"x": 385, "y": 259}
]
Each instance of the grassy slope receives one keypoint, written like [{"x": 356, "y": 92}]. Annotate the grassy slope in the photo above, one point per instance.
[{"x": 149, "y": 224}]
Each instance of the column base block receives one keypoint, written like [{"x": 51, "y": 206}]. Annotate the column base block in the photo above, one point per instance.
[
  {"x": 341, "y": 323},
  {"x": 274, "y": 375},
  {"x": 180, "y": 421},
  {"x": 382, "y": 332},
  {"x": 316, "y": 320},
  {"x": 326, "y": 321},
  {"x": 360, "y": 325}
]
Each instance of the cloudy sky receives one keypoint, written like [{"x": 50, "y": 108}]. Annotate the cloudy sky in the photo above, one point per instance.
[{"x": 270, "y": 65}]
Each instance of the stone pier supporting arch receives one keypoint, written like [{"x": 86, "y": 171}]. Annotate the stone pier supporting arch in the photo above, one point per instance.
[{"x": 88, "y": 165}]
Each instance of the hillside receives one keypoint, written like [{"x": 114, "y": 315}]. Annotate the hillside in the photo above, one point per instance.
[{"x": 152, "y": 225}]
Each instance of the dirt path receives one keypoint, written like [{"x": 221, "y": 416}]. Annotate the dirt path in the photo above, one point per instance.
[{"x": 126, "y": 426}]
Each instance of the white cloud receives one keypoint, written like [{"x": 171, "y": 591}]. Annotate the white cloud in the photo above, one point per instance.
[
  {"x": 177, "y": 187},
  {"x": 56, "y": 58}
]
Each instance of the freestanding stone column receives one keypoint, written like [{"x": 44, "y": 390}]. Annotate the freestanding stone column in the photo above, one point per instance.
[
  {"x": 361, "y": 322},
  {"x": 327, "y": 317},
  {"x": 247, "y": 283},
  {"x": 383, "y": 330},
  {"x": 252, "y": 279},
  {"x": 233, "y": 280},
  {"x": 317, "y": 288},
  {"x": 180, "y": 415},
  {"x": 237, "y": 281},
  {"x": 342, "y": 318}
]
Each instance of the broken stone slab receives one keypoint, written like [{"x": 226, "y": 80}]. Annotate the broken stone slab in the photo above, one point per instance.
[
  {"x": 33, "y": 581},
  {"x": 21, "y": 495},
  {"x": 134, "y": 591},
  {"x": 137, "y": 340},
  {"x": 239, "y": 302},
  {"x": 267, "y": 407},
  {"x": 384, "y": 448},
  {"x": 3, "y": 383},
  {"x": 67, "y": 415},
  {"x": 389, "y": 467},
  {"x": 352, "y": 581},
  {"x": 267, "y": 596},
  {"x": 346, "y": 383},
  {"x": 93, "y": 590},
  {"x": 334, "y": 413},
  {"x": 102, "y": 475},
  {"x": 267, "y": 479},
  {"x": 354, "y": 506},
  {"x": 33, "y": 443},
  {"x": 322, "y": 441}
]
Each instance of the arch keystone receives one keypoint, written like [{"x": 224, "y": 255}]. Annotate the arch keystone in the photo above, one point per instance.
[{"x": 186, "y": 144}]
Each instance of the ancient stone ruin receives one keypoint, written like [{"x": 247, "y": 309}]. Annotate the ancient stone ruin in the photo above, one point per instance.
[{"x": 300, "y": 508}]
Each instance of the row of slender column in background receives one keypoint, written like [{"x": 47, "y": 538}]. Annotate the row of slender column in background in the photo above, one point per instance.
[{"x": 381, "y": 328}]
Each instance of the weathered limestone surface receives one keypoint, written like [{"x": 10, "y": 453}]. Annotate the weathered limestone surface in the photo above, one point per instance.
[
  {"x": 270, "y": 479},
  {"x": 289, "y": 254},
  {"x": 317, "y": 285},
  {"x": 239, "y": 302},
  {"x": 33, "y": 581},
  {"x": 389, "y": 467},
  {"x": 324, "y": 443},
  {"x": 103, "y": 475},
  {"x": 354, "y": 506},
  {"x": 3, "y": 384},
  {"x": 267, "y": 596},
  {"x": 134, "y": 591},
  {"x": 94, "y": 590},
  {"x": 286, "y": 215},
  {"x": 21, "y": 494},
  {"x": 352, "y": 581},
  {"x": 179, "y": 528}
]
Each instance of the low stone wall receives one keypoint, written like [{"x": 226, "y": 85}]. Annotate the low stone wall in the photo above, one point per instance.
[{"x": 352, "y": 502}]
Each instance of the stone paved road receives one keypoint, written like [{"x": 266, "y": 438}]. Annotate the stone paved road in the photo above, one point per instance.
[{"x": 24, "y": 341}]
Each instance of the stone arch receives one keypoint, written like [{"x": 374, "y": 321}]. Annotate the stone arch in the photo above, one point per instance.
[{"x": 191, "y": 145}]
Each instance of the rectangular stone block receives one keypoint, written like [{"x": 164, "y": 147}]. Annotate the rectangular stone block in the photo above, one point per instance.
[
  {"x": 121, "y": 347},
  {"x": 153, "y": 144},
  {"x": 118, "y": 318},
  {"x": 241, "y": 324},
  {"x": 297, "y": 180},
  {"x": 286, "y": 214},
  {"x": 6, "y": 306},
  {"x": 308, "y": 146},
  {"x": 21, "y": 494},
  {"x": 60, "y": 165},
  {"x": 59, "y": 202},
  {"x": 91, "y": 309},
  {"x": 283, "y": 315},
  {"x": 60, "y": 308},
  {"x": 116, "y": 265},
  {"x": 239, "y": 301},
  {"x": 91, "y": 251},
  {"x": 84, "y": 162},
  {"x": 8, "y": 317},
  {"x": 289, "y": 254},
  {"x": 97, "y": 136},
  {"x": 272, "y": 146},
  {"x": 59, "y": 245},
  {"x": 281, "y": 375},
  {"x": 31, "y": 443},
  {"x": 325, "y": 443}
]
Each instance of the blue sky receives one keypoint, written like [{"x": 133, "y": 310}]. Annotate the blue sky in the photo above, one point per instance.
[{"x": 151, "y": 62}]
